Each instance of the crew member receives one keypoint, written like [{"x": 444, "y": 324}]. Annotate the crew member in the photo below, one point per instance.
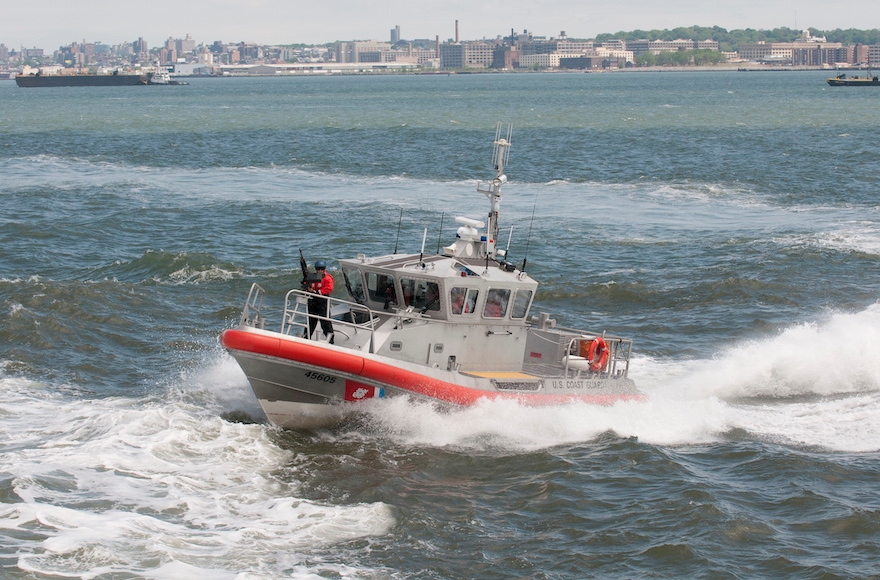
[{"x": 318, "y": 303}]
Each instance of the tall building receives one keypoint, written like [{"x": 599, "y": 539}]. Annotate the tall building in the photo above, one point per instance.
[
  {"x": 395, "y": 34},
  {"x": 451, "y": 55},
  {"x": 140, "y": 45},
  {"x": 362, "y": 51},
  {"x": 186, "y": 45},
  {"x": 455, "y": 55},
  {"x": 141, "y": 49}
]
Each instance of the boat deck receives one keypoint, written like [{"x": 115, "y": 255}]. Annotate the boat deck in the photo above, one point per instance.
[{"x": 502, "y": 375}]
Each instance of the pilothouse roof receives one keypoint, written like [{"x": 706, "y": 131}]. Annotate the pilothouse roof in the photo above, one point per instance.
[{"x": 437, "y": 266}]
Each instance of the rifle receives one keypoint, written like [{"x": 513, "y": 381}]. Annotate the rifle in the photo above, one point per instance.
[{"x": 305, "y": 268}]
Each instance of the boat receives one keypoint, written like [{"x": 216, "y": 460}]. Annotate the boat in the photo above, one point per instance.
[
  {"x": 454, "y": 328},
  {"x": 842, "y": 80},
  {"x": 116, "y": 79},
  {"x": 163, "y": 77}
]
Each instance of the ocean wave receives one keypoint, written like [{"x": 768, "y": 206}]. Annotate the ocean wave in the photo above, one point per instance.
[
  {"x": 168, "y": 267},
  {"x": 120, "y": 485},
  {"x": 853, "y": 237},
  {"x": 812, "y": 386},
  {"x": 840, "y": 355}
]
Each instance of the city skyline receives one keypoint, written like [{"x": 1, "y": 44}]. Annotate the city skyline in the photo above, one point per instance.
[{"x": 276, "y": 22}]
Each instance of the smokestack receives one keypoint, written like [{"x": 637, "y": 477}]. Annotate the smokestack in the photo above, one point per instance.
[
  {"x": 437, "y": 47},
  {"x": 456, "y": 31}
]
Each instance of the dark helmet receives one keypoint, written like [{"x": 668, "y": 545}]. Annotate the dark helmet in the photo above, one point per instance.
[{"x": 320, "y": 265}]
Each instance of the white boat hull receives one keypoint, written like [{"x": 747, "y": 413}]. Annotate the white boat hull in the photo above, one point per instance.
[{"x": 303, "y": 384}]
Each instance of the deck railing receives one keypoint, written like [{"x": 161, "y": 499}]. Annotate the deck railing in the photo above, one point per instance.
[
  {"x": 250, "y": 315},
  {"x": 354, "y": 321},
  {"x": 617, "y": 366}
]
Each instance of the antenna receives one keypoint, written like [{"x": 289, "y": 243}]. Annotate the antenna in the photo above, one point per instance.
[
  {"x": 440, "y": 233},
  {"x": 529, "y": 238},
  {"x": 399, "y": 219},
  {"x": 422, "y": 253},
  {"x": 502, "y": 150}
]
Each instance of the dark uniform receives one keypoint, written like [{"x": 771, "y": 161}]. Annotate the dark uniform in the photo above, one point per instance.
[{"x": 318, "y": 304}]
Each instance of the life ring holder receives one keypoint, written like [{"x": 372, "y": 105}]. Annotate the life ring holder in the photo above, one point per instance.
[
  {"x": 598, "y": 354},
  {"x": 592, "y": 355}
]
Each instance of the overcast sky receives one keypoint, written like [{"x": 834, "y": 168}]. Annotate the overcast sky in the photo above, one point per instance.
[{"x": 52, "y": 23}]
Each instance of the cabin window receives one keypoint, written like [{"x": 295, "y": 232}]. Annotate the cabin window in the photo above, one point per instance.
[
  {"x": 470, "y": 304},
  {"x": 496, "y": 303},
  {"x": 381, "y": 289},
  {"x": 354, "y": 282},
  {"x": 521, "y": 304},
  {"x": 420, "y": 294},
  {"x": 463, "y": 300}
]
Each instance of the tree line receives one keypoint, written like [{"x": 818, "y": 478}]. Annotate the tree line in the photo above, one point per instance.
[
  {"x": 699, "y": 57},
  {"x": 730, "y": 40}
]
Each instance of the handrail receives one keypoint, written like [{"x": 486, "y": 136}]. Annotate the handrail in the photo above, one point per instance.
[
  {"x": 615, "y": 345},
  {"x": 297, "y": 316},
  {"x": 250, "y": 315}
]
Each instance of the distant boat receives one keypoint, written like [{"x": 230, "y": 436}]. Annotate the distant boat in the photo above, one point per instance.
[
  {"x": 868, "y": 80},
  {"x": 116, "y": 79},
  {"x": 162, "y": 77}
]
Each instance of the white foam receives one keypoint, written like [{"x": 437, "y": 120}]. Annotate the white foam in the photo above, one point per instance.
[
  {"x": 122, "y": 485},
  {"x": 189, "y": 275},
  {"x": 840, "y": 355},
  {"x": 859, "y": 237},
  {"x": 815, "y": 384},
  {"x": 163, "y": 487},
  {"x": 510, "y": 426}
]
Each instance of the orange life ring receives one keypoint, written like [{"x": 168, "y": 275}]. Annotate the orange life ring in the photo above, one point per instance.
[{"x": 598, "y": 354}]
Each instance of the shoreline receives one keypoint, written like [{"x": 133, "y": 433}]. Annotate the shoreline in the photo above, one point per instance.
[{"x": 10, "y": 75}]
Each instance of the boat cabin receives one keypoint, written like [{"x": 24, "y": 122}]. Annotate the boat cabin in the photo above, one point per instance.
[{"x": 441, "y": 287}]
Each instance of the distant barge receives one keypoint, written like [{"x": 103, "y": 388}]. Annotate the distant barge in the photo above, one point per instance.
[{"x": 82, "y": 80}]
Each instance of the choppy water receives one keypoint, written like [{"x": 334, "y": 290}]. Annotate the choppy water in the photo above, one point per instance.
[{"x": 728, "y": 222}]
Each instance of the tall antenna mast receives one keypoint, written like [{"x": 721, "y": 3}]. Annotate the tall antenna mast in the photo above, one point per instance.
[{"x": 493, "y": 190}]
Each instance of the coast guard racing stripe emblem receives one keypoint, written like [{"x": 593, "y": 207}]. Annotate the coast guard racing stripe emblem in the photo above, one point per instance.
[{"x": 355, "y": 391}]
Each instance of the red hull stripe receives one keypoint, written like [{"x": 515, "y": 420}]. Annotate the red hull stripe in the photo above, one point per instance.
[{"x": 391, "y": 375}]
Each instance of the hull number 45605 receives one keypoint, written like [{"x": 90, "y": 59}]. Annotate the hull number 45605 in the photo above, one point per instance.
[{"x": 321, "y": 377}]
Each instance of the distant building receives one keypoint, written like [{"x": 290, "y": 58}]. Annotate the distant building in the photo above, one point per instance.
[
  {"x": 572, "y": 47},
  {"x": 167, "y": 56},
  {"x": 395, "y": 34},
  {"x": 580, "y": 62},
  {"x": 778, "y": 52},
  {"x": 862, "y": 54},
  {"x": 799, "y": 53},
  {"x": 185, "y": 45},
  {"x": 140, "y": 49},
  {"x": 451, "y": 55},
  {"x": 505, "y": 57},
  {"x": 463, "y": 55},
  {"x": 655, "y": 47},
  {"x": 361, "y": 51},
  {"x": 540, "y": 60},
  {"x": 826, "y": 53}
]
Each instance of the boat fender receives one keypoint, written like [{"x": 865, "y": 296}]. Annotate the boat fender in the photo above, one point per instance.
[{"x": 598, "y": 354}]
